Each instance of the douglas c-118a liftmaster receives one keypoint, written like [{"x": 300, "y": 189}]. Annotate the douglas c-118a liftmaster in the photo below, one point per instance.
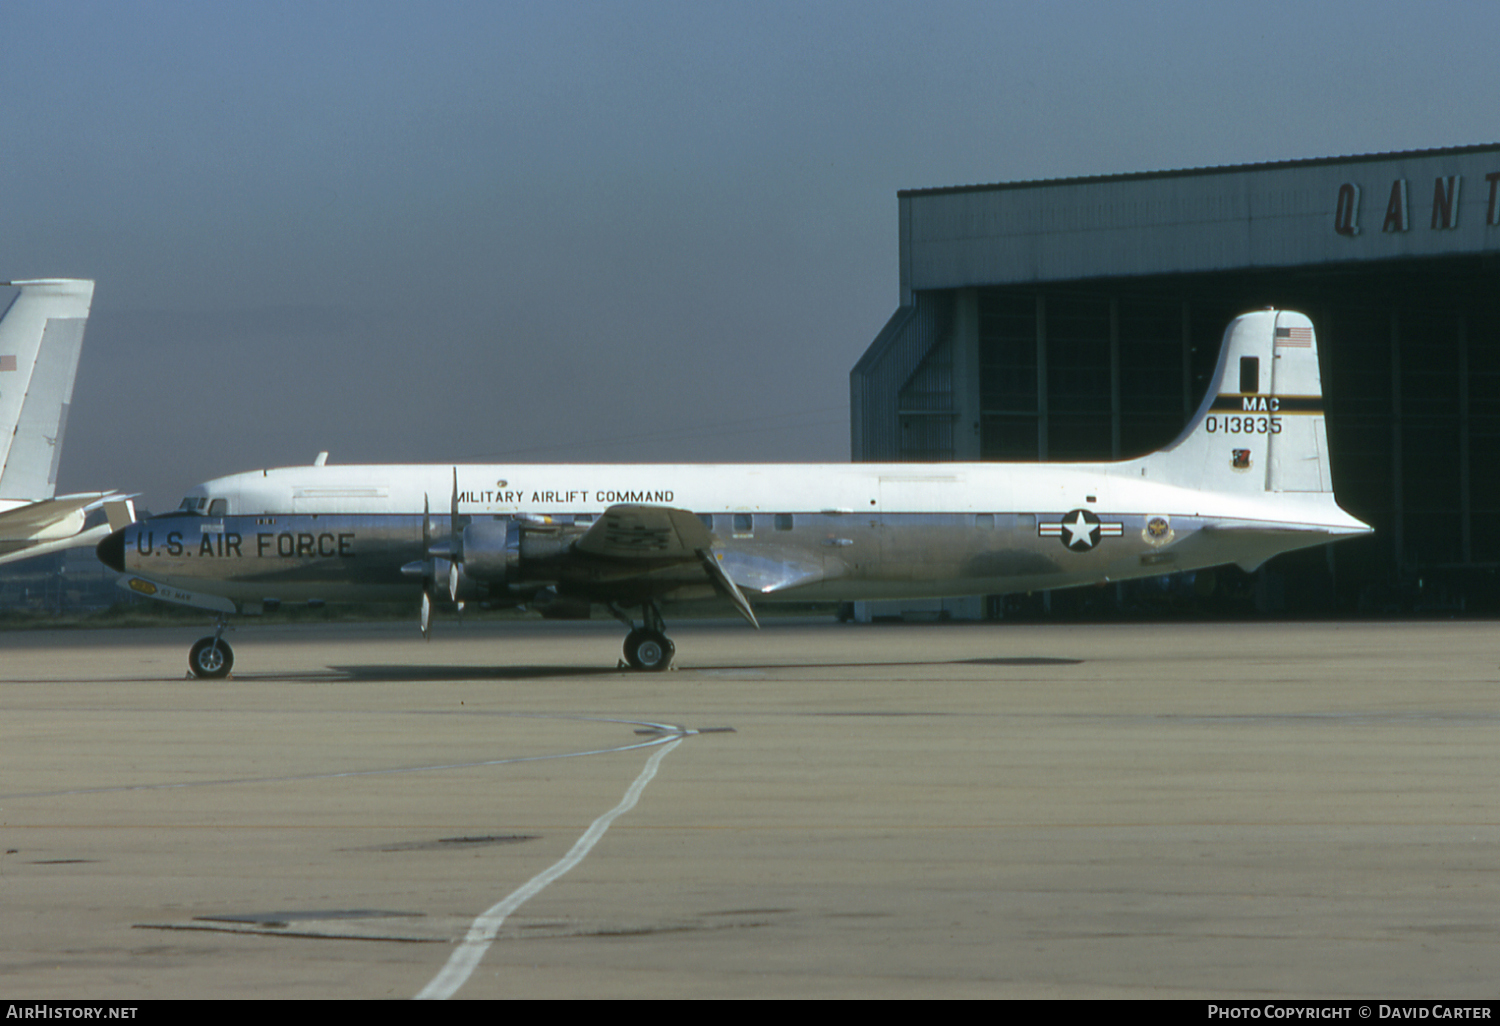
[{"x": 1248, "y": 478}]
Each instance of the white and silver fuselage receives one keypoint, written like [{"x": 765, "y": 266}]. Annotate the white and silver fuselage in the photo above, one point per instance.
[{"x": 792, "y": 532}]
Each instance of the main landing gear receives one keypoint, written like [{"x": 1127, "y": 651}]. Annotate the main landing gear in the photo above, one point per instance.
[
  {"x": 646, "y": 647},
  {"x": 211, "y": 657}
]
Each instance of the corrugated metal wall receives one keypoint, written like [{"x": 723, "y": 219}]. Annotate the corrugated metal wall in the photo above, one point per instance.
[{"x": 891, "y": 363}]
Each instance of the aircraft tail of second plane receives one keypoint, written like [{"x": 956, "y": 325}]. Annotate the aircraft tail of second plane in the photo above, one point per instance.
[{"x": 41, "y": 335}]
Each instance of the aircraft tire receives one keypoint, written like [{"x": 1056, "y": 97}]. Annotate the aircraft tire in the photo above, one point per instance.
[
  {"x": 210, "y": 658},
  {"x": 648, "y": 650}
]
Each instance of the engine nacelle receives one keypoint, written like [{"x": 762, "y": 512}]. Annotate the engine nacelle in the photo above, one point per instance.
[
  {"x": 492, "y": 551},
  {"x": 511, "y": 558}
]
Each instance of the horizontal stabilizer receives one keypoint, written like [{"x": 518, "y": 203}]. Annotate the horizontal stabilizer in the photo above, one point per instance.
[
  {"x": 14, "y": 552},
  {"x": 1247, "y": 546},
  {"x": 35, "y": 518}
]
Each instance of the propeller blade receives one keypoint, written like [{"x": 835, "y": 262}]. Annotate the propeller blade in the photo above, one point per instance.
[
  {"x": 455, "y": 537},
  {"x": 426, "y": 615},
  {"x": 455, "y": 542}
]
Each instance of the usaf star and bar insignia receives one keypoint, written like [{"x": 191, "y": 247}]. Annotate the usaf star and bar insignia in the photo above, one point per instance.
[{"x": 1080, "y": 530}]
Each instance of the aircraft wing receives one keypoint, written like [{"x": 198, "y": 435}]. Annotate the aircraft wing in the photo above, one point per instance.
[
  {"x": 654, "y": 536},
  {"x": 659, "y": 533}
]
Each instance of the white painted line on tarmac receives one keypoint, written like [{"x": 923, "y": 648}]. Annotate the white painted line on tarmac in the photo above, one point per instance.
[{"x": 483, "y": 930}]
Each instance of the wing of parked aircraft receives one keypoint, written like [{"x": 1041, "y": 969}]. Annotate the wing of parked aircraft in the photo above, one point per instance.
[
  {"x": 1247, "y": 479},
  {"x": 41, "y": 336},
  {"x": 632, "y": 539}
]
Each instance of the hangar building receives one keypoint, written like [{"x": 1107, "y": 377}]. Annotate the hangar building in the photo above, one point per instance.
[{"x": 1079, "y": 319}]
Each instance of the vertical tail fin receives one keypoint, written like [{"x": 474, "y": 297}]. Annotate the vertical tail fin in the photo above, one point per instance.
[
  {"x": 41, "y": 335},
  {"x": 1260, "y": 426}
]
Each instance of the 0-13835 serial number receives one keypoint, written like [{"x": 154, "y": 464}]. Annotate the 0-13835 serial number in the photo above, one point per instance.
[{"x": 1243, "y": 425}]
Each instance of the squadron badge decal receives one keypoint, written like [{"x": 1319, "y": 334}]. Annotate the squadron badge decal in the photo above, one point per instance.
[
  {"x": 1080, "y": 530},
  {"x": 1158, "y": 531}
]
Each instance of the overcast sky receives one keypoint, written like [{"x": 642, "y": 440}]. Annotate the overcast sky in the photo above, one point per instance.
[{"x": 555, "y": 231}]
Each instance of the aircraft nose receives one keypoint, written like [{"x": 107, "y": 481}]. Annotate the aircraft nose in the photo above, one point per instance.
[{"x": 111, "y": 551}]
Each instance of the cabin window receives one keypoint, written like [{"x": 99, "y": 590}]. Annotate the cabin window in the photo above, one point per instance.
[
  {"x": 1249, "y": 375},
  {"x": 707, "y": 520},
  {"x": 218, "y": 508},
  {"x": 783, "y": 521},
  {"x": 743, "y": 524},
  {"x": 984, "y": 520}
]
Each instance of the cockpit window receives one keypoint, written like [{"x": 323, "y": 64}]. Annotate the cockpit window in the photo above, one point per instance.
[
  {"x": 218, "y": 507},
  {"x": 193, "y": 503}
]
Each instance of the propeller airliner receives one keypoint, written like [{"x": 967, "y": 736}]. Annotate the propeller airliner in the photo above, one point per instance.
[{"x": 1248, "y": 478}]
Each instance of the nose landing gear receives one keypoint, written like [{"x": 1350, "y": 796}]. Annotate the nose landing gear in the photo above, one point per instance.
[{"x": 211, "y": 657}]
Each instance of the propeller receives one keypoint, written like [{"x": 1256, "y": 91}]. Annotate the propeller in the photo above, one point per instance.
[
  {"x": 455, "y": 545},
  {"x": 433, "y": 555},
  {"x": 426, "y": 620}
]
